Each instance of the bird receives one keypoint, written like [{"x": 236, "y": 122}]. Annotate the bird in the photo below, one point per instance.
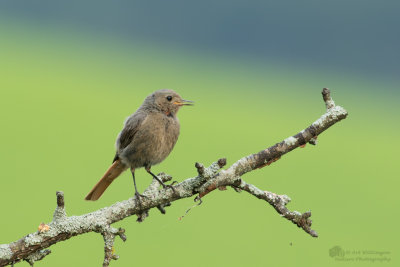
[{"x": 147, "y": 138}]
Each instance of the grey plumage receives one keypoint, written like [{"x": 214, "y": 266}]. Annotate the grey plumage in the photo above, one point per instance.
[{"x": 147, "y": 138}]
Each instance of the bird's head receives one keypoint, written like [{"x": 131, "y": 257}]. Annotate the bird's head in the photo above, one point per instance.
[{"x": 167, "y": 101}]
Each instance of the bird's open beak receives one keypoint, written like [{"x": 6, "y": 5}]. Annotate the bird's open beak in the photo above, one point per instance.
[{"x": 184, "y": 102}]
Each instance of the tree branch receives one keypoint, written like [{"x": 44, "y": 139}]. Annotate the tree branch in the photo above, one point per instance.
[{"x": 32, "y": 247}]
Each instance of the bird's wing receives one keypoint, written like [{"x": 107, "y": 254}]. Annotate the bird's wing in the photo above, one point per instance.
[{"x": 127, "y": 134}]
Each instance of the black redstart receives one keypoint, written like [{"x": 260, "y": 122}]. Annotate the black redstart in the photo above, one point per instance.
[{"x": 147, "y": 138}]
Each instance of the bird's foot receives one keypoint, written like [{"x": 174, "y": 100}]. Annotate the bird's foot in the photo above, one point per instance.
[
  {"x": 170, "y": 186},
  {"x": 138, "y": 197}
]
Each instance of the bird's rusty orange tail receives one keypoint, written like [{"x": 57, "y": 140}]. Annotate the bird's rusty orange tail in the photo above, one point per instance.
[{"x": 113, "y": 172}]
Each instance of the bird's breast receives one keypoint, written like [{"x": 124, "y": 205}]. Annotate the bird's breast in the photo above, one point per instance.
[{"x": 154, "y": 140}]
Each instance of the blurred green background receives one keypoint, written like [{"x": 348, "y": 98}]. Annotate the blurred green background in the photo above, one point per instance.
[{"x": 71, "y": 73}]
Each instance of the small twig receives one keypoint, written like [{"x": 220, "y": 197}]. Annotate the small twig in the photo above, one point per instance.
[
  {"x": 108, "y": 248},
  {"x": 279, "y": 202},
  {"x": 200, "y": 168},
  {"x": 59, "y": 212},
  {"x": 326, "y": 94},
  {"x": 197, "y": 199}
]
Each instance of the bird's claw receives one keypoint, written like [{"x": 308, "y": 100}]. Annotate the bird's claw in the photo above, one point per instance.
[
  {"x": 138, "y": 196},
  {"x": 170, "y": 186}
]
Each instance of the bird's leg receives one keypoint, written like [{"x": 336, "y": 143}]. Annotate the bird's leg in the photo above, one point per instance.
[
  {"x": 158, "y": 179},
  {"x": 137, "y": 194},
  {"x": 155, "y": 177},
  {"x": 160, "y": 207}
]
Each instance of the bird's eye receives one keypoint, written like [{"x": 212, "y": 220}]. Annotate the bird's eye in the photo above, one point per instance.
[{"x": 169, "y": 98}]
